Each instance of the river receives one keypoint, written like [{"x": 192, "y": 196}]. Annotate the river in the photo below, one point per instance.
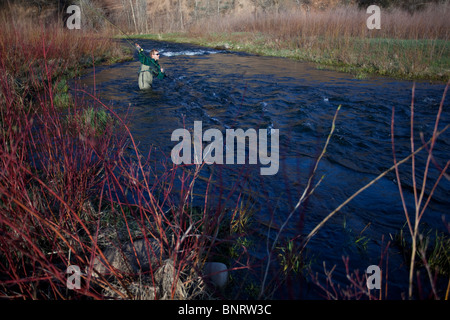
[{"x": 231, "y": 90}]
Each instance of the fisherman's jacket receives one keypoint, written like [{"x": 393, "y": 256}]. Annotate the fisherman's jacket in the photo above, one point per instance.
[{"x": 155, "y": 68}]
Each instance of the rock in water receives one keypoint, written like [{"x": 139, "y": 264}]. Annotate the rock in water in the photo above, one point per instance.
[{"x": 216, "y": 272}]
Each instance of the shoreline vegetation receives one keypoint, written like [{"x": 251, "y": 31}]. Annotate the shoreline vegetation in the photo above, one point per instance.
[
  {"x": 75, "y": 189},
  {"x": 409, "y": 46},
  {"x": 432, "y": 69}
]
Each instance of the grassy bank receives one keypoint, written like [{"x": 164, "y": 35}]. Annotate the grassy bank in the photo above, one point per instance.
[{"x": 408, "y": 46}]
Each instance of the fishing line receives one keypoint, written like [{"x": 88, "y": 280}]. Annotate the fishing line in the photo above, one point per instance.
[{"x": 127, "y": 38}]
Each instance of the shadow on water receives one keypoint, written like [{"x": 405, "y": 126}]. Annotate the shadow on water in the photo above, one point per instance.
[{"x": 228, "y": 90}]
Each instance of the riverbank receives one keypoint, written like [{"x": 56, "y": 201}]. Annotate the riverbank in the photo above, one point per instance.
[
  {"x": 409, "y": 46},
  {"x": 75, "y": 190},
  {"x": 73, "y": 187},
  {"x": 394, "y": 58},
  {"x": 265, "y": 91}
]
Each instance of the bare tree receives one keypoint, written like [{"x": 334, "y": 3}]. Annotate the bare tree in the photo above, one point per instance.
[
  {"x": 135, "y": 12},
  {"x": 180, "y": 10}
]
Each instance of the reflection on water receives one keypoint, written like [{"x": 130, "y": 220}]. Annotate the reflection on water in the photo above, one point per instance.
[{"x": 233, "y": 90}]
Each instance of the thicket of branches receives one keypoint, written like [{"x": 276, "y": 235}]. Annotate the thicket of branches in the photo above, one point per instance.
[
  {"x": 410, "y": 5},
  {"x": 144, "y": 16}
]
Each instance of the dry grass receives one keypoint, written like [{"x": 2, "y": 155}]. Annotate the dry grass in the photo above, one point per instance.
[
  {"x": 24, "y": 46},
  {"x": 70, "y": 189},
  {"x": 340, "y": 21},
  {"x": 407, "y": 45}
]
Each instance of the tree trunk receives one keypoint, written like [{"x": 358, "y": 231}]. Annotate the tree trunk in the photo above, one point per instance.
[{"x": 134, "y": 17}]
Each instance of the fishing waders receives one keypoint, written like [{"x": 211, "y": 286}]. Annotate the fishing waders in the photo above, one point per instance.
[{"x": 145, "y": 78}]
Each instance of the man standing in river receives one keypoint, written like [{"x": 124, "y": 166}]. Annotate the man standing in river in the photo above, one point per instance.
[{"x": 150, "y": 68}]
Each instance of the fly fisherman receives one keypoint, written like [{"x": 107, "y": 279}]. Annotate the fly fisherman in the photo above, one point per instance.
[{"x": 150, "y": 68}]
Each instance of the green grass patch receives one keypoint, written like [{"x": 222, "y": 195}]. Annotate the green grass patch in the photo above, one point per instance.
[{"x": 412, "y": 59}]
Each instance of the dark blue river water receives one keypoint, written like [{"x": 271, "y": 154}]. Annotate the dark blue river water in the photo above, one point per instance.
[{"x": 234, "y": 90}]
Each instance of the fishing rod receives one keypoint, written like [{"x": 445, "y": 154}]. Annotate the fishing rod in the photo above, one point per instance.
[{"x": 127, "y": 38}]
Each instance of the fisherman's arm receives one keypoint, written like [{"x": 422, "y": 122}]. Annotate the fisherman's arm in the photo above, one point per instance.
[
  {"x": 144, "y": 59},
  {"x": 156, "y": 68},
  {"x": 161, "y": 73},
  {"x": 157, "y": 71}
]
